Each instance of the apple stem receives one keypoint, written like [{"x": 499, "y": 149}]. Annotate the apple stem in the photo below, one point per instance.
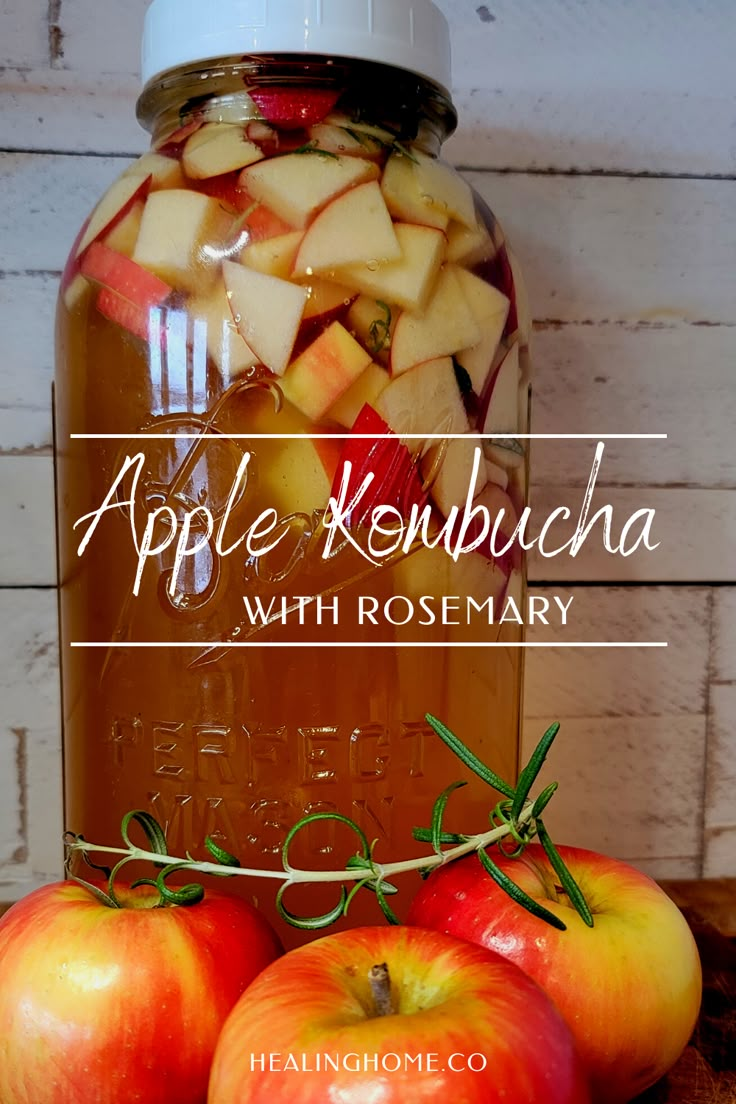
[{"x": 380, "y": 981}]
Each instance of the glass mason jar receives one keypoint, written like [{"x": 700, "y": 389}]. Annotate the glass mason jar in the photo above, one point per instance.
[{"x": 289, "y": 293}]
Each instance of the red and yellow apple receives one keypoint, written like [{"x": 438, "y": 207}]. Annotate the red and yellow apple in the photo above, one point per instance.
[
  {"x": 395, "y": 1016},
  {"x": 629, "y": 987},
  {"x": 104, "y": 1004}
]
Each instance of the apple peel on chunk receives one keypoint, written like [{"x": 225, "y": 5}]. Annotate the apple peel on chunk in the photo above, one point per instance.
[
  {"x": 267, "y": 312},
  {"x": 447, "y": 326},
  {"x": 120, "y": 198},
  {"x": 375, "y": 450},
  {"x": 298, "y": 185},
  {"x": 294, "y": 107},
  {"x": 355, "y": 227},
  {"x": 123, "y": 276},
  {"x": 324, "y": 371}
]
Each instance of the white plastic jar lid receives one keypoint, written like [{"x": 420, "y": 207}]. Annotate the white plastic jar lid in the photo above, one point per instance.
[{"x": 410, "y": 34}]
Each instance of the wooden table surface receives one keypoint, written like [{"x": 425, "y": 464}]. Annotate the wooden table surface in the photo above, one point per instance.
[{"x": 706, "y": 1073}]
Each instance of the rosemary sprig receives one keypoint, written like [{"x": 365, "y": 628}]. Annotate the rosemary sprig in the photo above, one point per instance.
[{"x": 515, "y": 820}]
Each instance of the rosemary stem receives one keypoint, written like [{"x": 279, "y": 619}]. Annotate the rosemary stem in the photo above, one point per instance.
[{"x": 294, "y": 876}]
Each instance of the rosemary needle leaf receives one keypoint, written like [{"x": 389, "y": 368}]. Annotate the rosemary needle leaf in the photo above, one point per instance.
[
  {"x": 438, "y": 814},
  {"x": 153, "y": 831},
  {"x": 570, "y": 886},
  {"x": 544, "y": 799},
  {"x": 530, "y": 772},
  {"x": 224, "y": 858},
  {"x": 467, "y": 757},
  {"x": 517, "y": 894},
  {"x": 311, "y": 923}
]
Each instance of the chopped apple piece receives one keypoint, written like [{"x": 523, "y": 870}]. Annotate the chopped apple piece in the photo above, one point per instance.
[
  {"x": 497, "y": 475},
  {"x": 346, "y": 139},
  {"x": 502, "y": 414},
  {"x": 419, "y": 188},
  {"x": 299, "y": 185},
  {"x": 373, "y": 451},
  {"x": 451, "y": 483},
  {"x": 355, "y": 227},
  {"x": 216, "y": 149},
  {"x": 293, "y": 106},
  {"x": 177, "y": 226},
  {"x": 408, "y": 281},
  {"x": 338, "y": 119},
  {"x": 123, "y": 276},
  {"x": 273, "y": 256},
  {"x": 124, "y": 235},
  {"x": 267, "y": 312},
  {"x": 490, "y": 308},
  {"x": 505, "y": 453},
  {"x": 130, "y": 295},
  {"x": 425, "y": 400},
  {"x": 447, "y": 326},
  {"x": 469, "y": 246},
  {"x": 366, "y": 389},
  {"x": 261, "y": 223},
  {"x": 113, "y": 207},
  {"x": 404, "y": 197},
  {"x": 74, "y": 291},
  {"x": 224, "y": 343},
  {"x": 165, "y": 172},
  {"x": 325, "y": 371},
  {"x": 373, "y": 322},
  {"x": 296, "y": 473},
  {"x": 433, "y": 571},
  {"x": 326, "y": 299}
]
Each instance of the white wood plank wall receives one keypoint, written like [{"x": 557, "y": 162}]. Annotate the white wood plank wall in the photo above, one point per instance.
[{"x": 604, "y": 136}]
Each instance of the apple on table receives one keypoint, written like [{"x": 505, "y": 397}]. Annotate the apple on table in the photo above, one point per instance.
[
  {"x": 408, "y": 1017},
  {"x": 629, "y": 987},
  {"x": 101, "y": 1004}
]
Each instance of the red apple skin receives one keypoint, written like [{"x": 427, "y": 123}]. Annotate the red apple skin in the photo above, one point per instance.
[
  {"x": 452, "y": 998},
  {"x": 629, "y": 988},
  {"x": 107, "y": 1005}
]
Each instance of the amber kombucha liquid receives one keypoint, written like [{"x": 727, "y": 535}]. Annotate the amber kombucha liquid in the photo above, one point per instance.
[{"x": 232, "y": 742}]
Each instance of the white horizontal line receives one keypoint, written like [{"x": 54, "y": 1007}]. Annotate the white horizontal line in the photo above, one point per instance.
[
  {"x": 204, "y": 645},
  {"x": 370, "y": 436}
]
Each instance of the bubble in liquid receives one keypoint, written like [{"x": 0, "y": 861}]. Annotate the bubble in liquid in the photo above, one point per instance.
[{"x": 373, "y": 265}]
